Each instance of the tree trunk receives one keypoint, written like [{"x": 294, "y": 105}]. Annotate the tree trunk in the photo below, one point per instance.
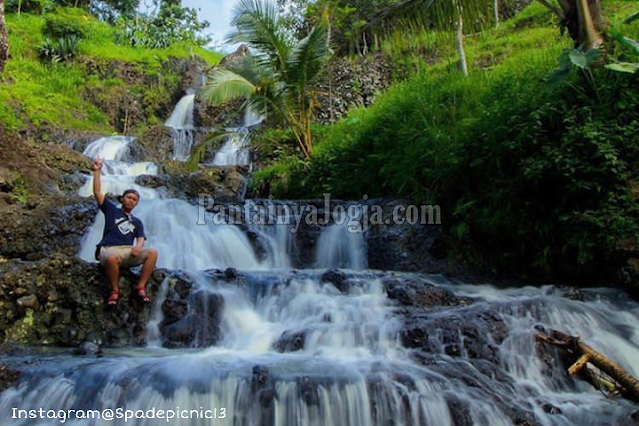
[
  {"x": 4, "y": 39},
  {"x": 584, "y": 354},
  {"x": 589, "y": 33},
  {"x": 583, "y": 20},
  {"x": 459, "y": 39},
  {"x": 496, "y": 6}
]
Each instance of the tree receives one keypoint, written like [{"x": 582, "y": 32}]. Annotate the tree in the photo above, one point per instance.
[
  {"x": 435, "y": 15},
  {"x": 582, "y": 18},
  {"x": 4, "y": 39},
  {"x": 281, "y": 84}
]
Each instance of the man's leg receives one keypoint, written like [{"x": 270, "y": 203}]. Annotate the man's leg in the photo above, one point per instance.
[
  {"x": 147, "y": 268},
  {"x": 112, "y": 271}
]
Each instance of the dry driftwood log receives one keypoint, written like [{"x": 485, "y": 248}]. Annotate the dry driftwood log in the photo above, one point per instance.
[{"x": 621, "y": 381}]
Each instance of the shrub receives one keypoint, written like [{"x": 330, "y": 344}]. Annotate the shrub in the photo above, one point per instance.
[
  {"x": 66, "y": 23},
  {"x": 61, "y": 50}
]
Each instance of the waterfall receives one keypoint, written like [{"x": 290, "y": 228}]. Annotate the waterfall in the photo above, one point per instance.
[
  {"x": 235, "y": 150},
  {"x": 298, "y": 351},
  {"x": 182, "y": 128},
  {"x": 274, "y": 346},
  {"x": 341, "y": 245},
  {"x": 171, "y": 225},
  {"x": 108, "y": 148}
]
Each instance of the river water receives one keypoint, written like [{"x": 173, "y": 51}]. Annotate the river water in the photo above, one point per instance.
[{"x": 298, "y": 349}]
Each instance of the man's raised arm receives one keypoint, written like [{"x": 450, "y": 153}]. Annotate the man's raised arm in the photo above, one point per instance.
[{"x": 97, "y": 183}]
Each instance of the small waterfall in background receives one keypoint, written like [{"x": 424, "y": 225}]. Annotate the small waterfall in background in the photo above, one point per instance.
[
  {"x": 109, "y": 148},
  {"x": 182, "y": 128},
  {"x": 235, "y": 151},
  {"x": 341, "y": 244}
]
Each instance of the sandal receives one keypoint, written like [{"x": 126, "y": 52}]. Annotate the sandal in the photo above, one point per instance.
[
  {"x": 142, "y": 294},
  {"x": 113, "y": 298}
]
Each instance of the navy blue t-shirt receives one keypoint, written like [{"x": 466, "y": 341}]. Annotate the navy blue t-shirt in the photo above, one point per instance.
[{"x": 119, "y": 229}]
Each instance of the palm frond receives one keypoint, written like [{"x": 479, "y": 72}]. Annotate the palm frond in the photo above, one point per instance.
[
  {"x": 198, "y": 152},
  {"x": 308, "y": 58},
  {"x": 256, "y": 23},
  {"x": 225, "y": 85}
]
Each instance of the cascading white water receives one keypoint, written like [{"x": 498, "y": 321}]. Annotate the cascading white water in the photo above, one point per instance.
[
  {"x": 297, "y": 350},
  {"x": 235, "y": 150},
  {"x": 108, "y": 148},
  {"x": 343, "y": 363},
  {"x": 182, "y": 128},
  {"x": 341, "y": 244},
  {"x": 274, "y": 235},
  {"x": 172, "y": 228}
]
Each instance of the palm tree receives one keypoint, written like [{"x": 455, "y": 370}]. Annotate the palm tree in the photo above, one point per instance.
[{"x": 281, "y": 85}]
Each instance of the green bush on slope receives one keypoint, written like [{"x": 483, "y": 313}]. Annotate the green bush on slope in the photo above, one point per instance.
[{"x": 33, "y": 93}]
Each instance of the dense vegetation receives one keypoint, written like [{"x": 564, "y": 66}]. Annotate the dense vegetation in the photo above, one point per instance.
[
  {"x": 56, "y": 54},
  {"x": 535, "y": 180}
]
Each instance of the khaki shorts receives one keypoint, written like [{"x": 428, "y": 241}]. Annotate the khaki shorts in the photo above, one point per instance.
[{"x": 124, "y": 253}]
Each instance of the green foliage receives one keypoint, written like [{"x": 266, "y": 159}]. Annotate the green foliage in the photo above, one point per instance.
[
  {"x": 37, "y": 93},
  {"x": 63, "y": 49},
  {"x": 531, "y": 181},
  {"x": 173, "y": 24},
  {"x": 284, "y": 73},
  {"x": 280, "y": 179},
  {"x": 29, "y": 6},
  {"x": 20, "y": 193},
  {"x": 66, "y": 23}
]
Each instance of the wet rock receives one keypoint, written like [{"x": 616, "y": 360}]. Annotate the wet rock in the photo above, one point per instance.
[
  {"x": 183, "y": 332},
  {"x": 402, "y": 246},
  {"x": 219, "y": 184},
  {"x": 459, "y": 412},
  {"x": 262, "y": 386},
  {"x": 155, "y": 144},
  {"x": 88, "y": 348},
  {"x": 230, "y": 273},
  {"x": 308, "y": 391},
  {"x": 8, "y": 377},
  {"x": 78, "y": 307},
  {"x": 290, "y": 341},
  {"x": 550, "y": 409},
  {"x": 28, "y": 302},
  {"x": 69, "y": 335},
  {"x": 409, "y": 291},
  {"x": 174, "y": 307},
  {"x": 11, "y": 348},
  {"x": 337, "y": 278},
  {"x": 471, "y": 333},
  {"x": 191, "y": 319}
]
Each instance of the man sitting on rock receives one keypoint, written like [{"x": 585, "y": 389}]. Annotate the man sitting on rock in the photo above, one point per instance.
[{"x": 116, "y": 248}]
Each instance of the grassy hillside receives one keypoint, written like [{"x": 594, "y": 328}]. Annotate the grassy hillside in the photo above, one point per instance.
[
  {"x": 40, "y": 93},
  {"x": 533, "y": 181}
]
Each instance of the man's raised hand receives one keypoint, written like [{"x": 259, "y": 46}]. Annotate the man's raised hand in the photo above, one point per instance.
[{"x": 97, "y": 164}]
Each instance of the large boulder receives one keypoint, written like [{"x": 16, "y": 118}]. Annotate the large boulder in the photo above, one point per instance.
[
  {"x": 45, "y": 225},
  {"x": 61, "y": 301},
  {"x": 224, "y": 184},
  {"x": 192, "y": 316}
]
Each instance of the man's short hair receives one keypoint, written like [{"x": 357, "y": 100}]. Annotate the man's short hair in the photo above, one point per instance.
[{"x": 129, "y": 191}]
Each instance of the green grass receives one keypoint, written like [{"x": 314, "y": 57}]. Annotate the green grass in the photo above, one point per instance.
[{"x": 35, "y": 93}]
